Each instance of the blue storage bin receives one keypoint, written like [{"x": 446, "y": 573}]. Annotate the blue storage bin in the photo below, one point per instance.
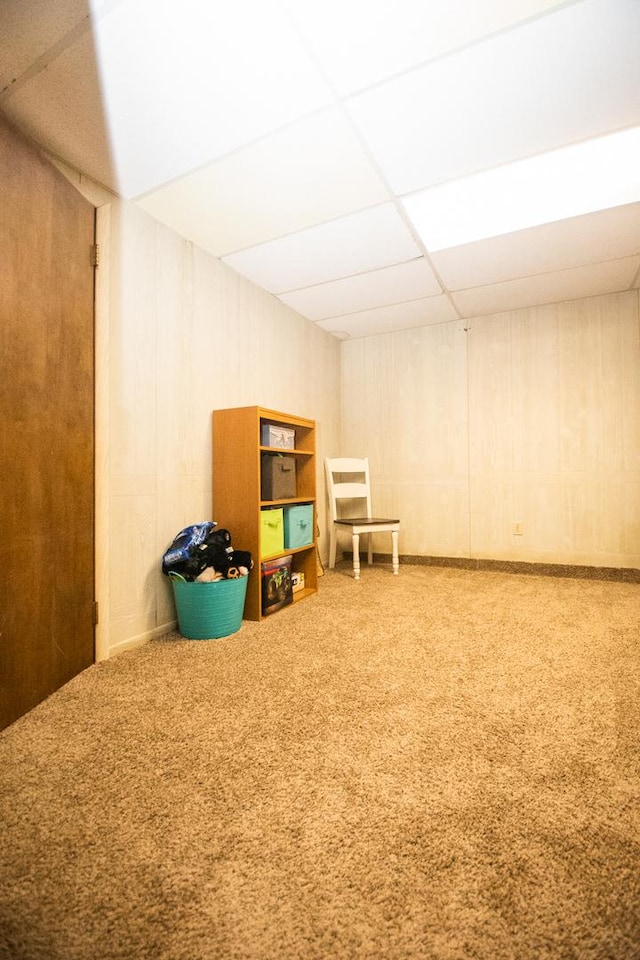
[{"x": 298, "y": 526}]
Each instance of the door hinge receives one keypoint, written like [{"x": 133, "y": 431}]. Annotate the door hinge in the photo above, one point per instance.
[
  {"x": 96, "y": 614},
  {"x": 95, "y": 255}
]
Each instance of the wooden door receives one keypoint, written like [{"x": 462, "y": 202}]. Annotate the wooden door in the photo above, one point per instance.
[{"x": 46, "y": 428}]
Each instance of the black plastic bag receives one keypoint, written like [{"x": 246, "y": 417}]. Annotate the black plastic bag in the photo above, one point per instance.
[{"x": 185, "y": 555}]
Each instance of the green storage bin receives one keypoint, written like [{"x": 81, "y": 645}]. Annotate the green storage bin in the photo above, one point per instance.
[
  {"x": 271, "y": 532},
  {"x": 298, "y": 526},
  {"x": 208, "y": 611}
]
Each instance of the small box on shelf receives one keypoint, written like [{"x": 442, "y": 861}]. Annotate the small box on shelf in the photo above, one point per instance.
[{"x": 273, "y": 435}]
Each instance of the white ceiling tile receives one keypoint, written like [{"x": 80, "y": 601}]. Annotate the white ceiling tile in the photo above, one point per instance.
[
  {"x": 405, "y": 281},
  {"x": 187, "y": 83},
  {"x": 573, "y": 284},
  {"x": 312, "y": 171},
  {"x": 559, "y": 79},
  {"x": 360, "y": 42},
  {"x": 29, "y": 28},
  {"x": 591, "y": 238},
  {"x": 358, "y": 243},
  {"x": 399, "y": 316}
]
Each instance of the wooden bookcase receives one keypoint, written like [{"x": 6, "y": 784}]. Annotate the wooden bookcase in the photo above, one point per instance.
[{"x": 237, "y": 503}]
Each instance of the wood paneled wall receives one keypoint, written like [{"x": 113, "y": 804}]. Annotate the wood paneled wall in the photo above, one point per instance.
[
  {"x": 529, "y": 418},
  {"x": 181, "y": 335}
]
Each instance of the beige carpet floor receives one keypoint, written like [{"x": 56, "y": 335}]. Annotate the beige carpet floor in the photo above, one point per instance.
[{"x": 441, "y": 765}]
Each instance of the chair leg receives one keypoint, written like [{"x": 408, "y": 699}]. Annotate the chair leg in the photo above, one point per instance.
[
  {"x": 332, "y": 547},
  {"x": 394, "y": 551},
  {"x": 370, "y": 548},
  {"x": 355, "y": 539}
]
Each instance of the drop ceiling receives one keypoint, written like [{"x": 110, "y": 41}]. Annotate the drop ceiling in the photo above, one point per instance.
[{"x": 326, "y": 149}]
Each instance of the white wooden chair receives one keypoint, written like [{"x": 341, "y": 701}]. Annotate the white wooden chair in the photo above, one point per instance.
[{"x": 348, "y": 479}]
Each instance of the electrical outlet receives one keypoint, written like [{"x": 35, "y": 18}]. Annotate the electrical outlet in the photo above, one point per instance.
[{"x": 517, "y": 528}]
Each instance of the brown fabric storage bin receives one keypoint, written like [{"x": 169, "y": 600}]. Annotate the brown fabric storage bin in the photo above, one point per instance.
[{"x": 277, "y": 477}]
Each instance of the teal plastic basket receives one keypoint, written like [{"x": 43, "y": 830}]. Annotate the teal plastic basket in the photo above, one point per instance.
[{"x": 208, "y": 611}]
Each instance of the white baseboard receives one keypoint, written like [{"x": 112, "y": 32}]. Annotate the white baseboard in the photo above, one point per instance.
[{"x": 132, "y": 642}]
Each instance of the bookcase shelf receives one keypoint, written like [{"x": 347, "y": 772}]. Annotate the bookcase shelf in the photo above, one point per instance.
[{"x": 237, "y": 500}]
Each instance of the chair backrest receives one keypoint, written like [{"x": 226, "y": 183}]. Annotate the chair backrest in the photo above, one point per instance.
[{"x": 348, "y": 479}]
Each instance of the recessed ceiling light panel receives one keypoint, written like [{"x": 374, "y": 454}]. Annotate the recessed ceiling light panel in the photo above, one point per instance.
[{"x": 583, "y": 178}]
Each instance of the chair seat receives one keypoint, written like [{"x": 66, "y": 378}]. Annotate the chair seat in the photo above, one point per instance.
[{"x": 364, "y": 521}]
